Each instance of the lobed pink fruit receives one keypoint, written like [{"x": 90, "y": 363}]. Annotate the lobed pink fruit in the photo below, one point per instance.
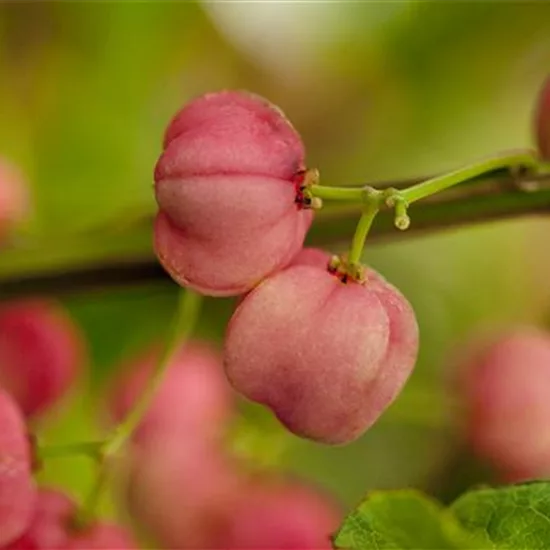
[
  {"x": 542, "y": 121},
  {"x": 193, "y": 398},
  {"x": 14, "y": 199},
  {"x": 226, "y": 189},
  {"x": 504, "y": 382},
  {"x": 17, "y": 491},
  {"x": 326, "y": 356},
  {"x": 40, "y": 353},
  {"x": 271, "y": 515},
  {"x": 181, "y": 492},
  {"x": 48, "y": 527}
]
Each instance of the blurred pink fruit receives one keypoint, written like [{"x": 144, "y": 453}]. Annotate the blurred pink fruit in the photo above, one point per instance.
[
  {"x": 17, "y": 491},
  {"x": 505, "y": 384},
  {"x": 542, "y": 121},
  {"x": 194, "y": 396},
  {"x": 180, "y": 491},
  {"x": 41, "y": 351},
  {"x": 14, "y": 198},
  {"x": 48, "y": 527},
  {"x": 102, "y": 536},
  {"x": 270, "y": 515}
]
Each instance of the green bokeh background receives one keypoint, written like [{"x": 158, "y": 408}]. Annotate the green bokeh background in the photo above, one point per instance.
[{"x": 378, "y": 90}]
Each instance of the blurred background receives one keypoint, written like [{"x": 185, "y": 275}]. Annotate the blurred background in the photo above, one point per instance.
[{"x": 377, "y": 90}]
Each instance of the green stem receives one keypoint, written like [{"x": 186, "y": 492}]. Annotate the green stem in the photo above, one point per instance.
[
  {"x": 86, "y": 514},
  {"x": 91, "y": 449},
  {"x": 509, "y": 161},
  {"x": 350, "y": 194},
  {"x": 106, "y": 258},
  {"x": 362, "y": 230},
  {"x": 401, "y": 218},
  {"x": 183, "y": 325}
]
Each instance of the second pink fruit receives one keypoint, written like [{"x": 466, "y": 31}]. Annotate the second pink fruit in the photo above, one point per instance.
[{"x": 327, "y": 357}]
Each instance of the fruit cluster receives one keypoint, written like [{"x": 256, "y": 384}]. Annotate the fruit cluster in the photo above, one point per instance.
[{"x": 325, "y": 349}]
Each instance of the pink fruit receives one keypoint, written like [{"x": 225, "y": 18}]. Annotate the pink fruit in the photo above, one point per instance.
[
  {"x": 102, "y": 536},
  {"x": 14, "y": 199},
  {"x": 504, "y": 382},
  {"x": 542, "y": 121},
  {"x": 326, "y": 356},
  {"x": 194, "y": 396},
  {"x": 181, "y": 492},
  {"x": 40, "y": 353},
  {"x": 226, "y": 186},
  {"x": 48, "y": 529},
  {"x": 17, "y": 491},
  {"x": 51, "y": 528},
  {"x": 311, "y": 256},
  {"x": 282, "y": 516}
]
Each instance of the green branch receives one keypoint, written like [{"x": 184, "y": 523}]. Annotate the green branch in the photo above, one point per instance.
[
  {"x": 91, "y": 449},
  {"x": 121, "y": 258},
  {"x": 515, "y": 163}
]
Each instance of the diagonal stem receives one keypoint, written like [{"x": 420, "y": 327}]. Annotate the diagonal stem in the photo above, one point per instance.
[
  {"x": 91, "y": 449},
  {"x": 182, "y": 327},
  {"x": 511, "y": 162},
  {"x": 184, "y": 322},
  {"x": 361, "y": 232}
]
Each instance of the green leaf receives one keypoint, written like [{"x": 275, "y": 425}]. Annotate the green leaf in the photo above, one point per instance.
[
  {"x": 401, "y": 520},
  {"x": 517, "y": 516},
  {"x": 511, "y": 517}
]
